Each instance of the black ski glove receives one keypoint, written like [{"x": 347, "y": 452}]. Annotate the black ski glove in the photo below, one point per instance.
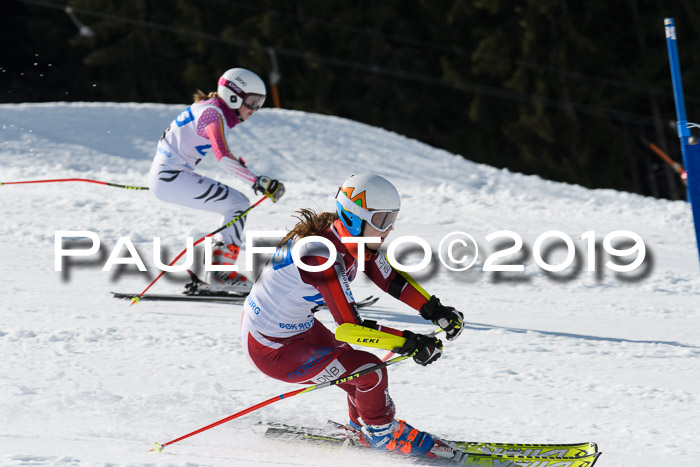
[
  {"x": 424, "y": 349},
  {"x": 450, "y": 320},
  {"x": 273, "y": 189}
]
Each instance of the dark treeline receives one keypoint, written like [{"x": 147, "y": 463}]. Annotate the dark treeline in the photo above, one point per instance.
[{"x": 573, "y": 91}]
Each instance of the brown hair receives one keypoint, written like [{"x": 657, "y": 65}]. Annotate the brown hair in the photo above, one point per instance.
[
  {"x": 309, "y": 224},
  {"x": 199, "y": 96}
]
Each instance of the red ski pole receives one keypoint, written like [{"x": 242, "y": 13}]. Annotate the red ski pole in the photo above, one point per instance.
[
  {"x": 136, "y": 299},
  {"x": 159, "y": 447},
  {"x": 128, "y": 187}
]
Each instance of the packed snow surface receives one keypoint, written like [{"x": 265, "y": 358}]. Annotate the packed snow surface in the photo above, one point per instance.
[{"x": 570, "y": 356}]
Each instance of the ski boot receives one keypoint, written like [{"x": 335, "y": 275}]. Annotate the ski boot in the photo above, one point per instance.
[
  {"x": 397, "y": 436},
  {"x": 223, "y": 281}
]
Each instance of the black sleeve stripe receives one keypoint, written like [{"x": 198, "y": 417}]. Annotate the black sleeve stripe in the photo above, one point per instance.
[{"x": 396, "y": 286}]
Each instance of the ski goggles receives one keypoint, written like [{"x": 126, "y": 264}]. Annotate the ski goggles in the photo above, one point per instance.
[
  {"x": 379, "y": 219},
  {"x": 251, "y": 100}
]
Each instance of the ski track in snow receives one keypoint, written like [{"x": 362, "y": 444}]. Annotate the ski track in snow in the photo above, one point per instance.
[{"x": 89, "y": 380}]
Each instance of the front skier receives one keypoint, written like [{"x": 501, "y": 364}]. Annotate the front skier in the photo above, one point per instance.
[
  {"x": 284, "y": 341},
  {"x": 201, "y": 128}
]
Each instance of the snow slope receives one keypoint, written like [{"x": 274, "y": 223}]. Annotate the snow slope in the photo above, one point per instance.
[{"x": 88, "y": 380}]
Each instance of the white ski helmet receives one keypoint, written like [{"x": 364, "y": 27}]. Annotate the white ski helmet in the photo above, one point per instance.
[
  {"x": 239, "y": 86},
  {"x": 367, "y": 198}
]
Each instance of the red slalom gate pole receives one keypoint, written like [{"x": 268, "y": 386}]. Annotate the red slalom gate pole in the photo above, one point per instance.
[
  {"x": 55, "y": 180},
  {"x": 675, "y": 165},
  {"x": 136, "y": 299},
  {"x": 159, "y": 447}
]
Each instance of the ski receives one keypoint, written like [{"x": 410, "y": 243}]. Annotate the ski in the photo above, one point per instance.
[
  {"x": 198, "y": 291},
  {"x": 460, "y": 452},
  {"x": 495, "y": 460},
  {"x": 364, "y": 303},
  {"x": 526, "y": 450},
  {"x": 213, "y": 298}
]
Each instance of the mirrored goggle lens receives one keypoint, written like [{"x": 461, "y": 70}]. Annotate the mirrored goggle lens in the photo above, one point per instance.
[
  {"x": 254, "y": 101},
  {"x": 382, "y": 220}
]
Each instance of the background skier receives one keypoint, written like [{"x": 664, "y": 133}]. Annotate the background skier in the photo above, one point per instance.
[{"x": 198, "y": 130}]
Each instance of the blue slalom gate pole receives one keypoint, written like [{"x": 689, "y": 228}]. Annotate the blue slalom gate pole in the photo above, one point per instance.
[{"x": 691, "y": 152}]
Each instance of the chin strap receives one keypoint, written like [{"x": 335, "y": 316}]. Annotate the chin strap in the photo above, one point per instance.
[{"x": 351, "y": 247}]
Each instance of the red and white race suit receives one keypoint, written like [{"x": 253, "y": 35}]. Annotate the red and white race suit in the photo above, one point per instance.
[{"x": 283, "y": 340}]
